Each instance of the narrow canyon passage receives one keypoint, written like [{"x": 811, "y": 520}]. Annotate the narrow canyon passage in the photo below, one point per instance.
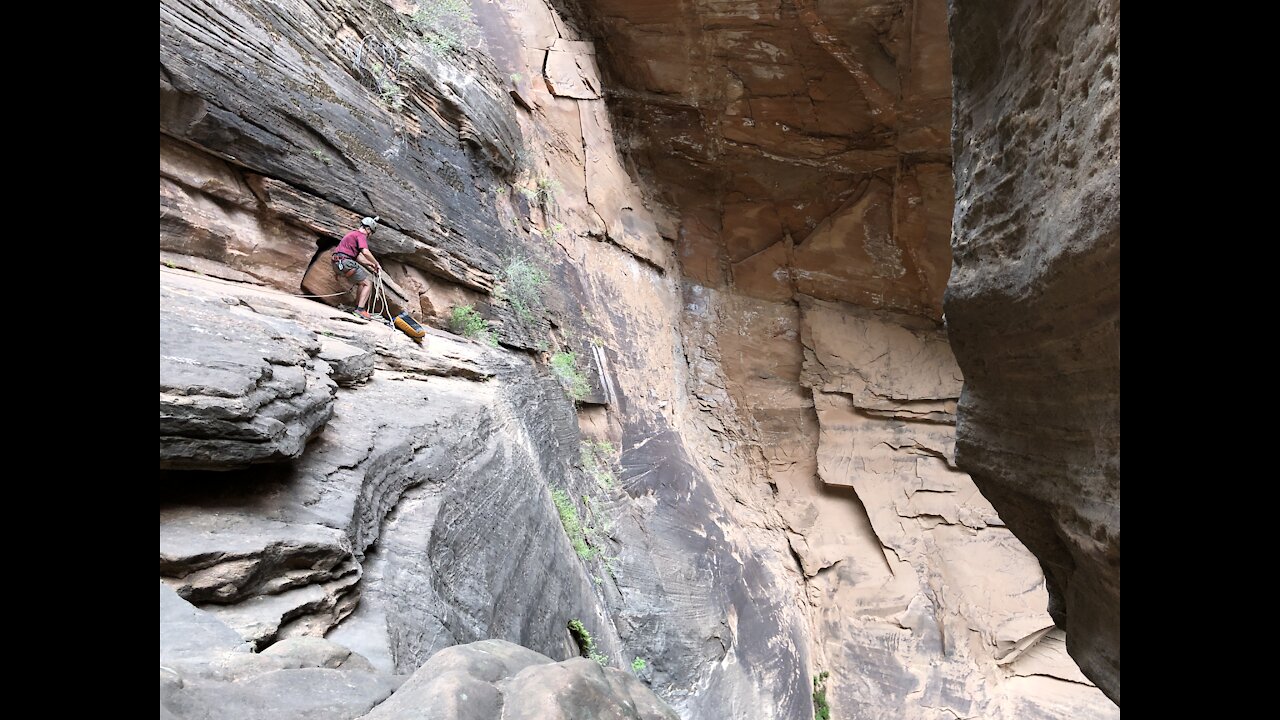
[{"x": 687, "y": 380}]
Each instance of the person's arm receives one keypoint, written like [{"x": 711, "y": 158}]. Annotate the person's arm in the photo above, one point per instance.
[{"x": 367, "y": 259}]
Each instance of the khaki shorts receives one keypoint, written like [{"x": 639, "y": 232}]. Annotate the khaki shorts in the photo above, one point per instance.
[{"x": 344, "y": 267}]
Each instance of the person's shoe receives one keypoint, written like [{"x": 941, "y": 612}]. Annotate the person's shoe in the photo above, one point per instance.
[{"x": 364, "y": 313}]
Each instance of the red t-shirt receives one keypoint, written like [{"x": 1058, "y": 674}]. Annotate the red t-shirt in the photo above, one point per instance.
[{"x": 353, "y": 243}]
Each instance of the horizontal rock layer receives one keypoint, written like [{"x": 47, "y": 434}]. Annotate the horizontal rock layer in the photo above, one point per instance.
[{"x": 236, "y": 388}]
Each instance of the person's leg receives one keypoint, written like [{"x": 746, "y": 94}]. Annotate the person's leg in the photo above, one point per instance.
[
  {"x": 366, "y": 289},
  {"x": 360, "y": 279}
]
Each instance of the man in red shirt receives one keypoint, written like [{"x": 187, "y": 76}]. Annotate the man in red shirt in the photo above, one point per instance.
[{"x": 350, "y": 255}]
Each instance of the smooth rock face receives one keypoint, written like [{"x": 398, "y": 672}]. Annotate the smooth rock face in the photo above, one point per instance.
[
  {"x": 702, "y": 599},
  {"x": 283, "y": 555},
  {"x": 415, "y": 458},
  {"x": 1033, "y": 306},
  {"x": 188, "y": 632},
  {"x": 402, "y": 528}
]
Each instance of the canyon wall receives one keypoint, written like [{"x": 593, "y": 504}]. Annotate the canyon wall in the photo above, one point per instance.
[
  {"x": 1033, "y": 307},
  {"x": 735, "y": 221}
]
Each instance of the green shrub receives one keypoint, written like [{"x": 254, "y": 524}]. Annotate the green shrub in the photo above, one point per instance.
[
  {"x": 388, "y": 89},
  {"x": 821, "y": 710},
  {"x": 392, "y": 95},
  {"x": 447, "y": 25},
  {"x": 572, "y": 523},
  {"x": 543, "y": 192},
  {"x": 565, "y": 366},
  {"x": 465, "y": 321},
  {"x": 521, "y": 283},
  {"x": 638, "y": 664},
  {"x": 586, "y": 643}
]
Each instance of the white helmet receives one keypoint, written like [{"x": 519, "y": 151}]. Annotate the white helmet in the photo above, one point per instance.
[{"x": 370, "y": 222}]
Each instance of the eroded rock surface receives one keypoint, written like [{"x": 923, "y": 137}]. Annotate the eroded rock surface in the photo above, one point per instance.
[
  {"x": 236, "y": 388},
  {"x": 207, "y": 673},
  {"x": 803, "y": 146},
  {"x": 1033, "y": 307}
]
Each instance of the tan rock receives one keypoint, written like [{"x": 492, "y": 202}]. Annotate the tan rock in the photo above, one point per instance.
[
  {"x": 628, "y": 223},
  {"x": 571, "y": 70},
  {"x": 233, "y": 242},
  {"x": 767, "y": 274},
  {"x": 879, "y": 364}
]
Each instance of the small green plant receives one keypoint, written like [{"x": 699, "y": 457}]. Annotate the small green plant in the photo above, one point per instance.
[
  {"x": 520, "y": 283},
  {"x": 465, "y": 321},
  {"x": 821, "y": 709},
  {"x": 555, "y": 231},
  {"x": 638, "y": 664},
  {"x": 572, "y": 523},
  {"x": 586, "y": 643},
  {"x": 447, "y": 25},
  {"x": 516, "y": 78},
  {"x": 601, "y": 526},
  {"x": 319, "y": 155},
  {"x": 597, "y": 460},
  {"x": 545, "y": 190},
  {"x": 565, "y": 366},
  {"x": 611, "y": 564},
  {"x": 388, "y": 89},
  {"x": 392, "y": 95}
]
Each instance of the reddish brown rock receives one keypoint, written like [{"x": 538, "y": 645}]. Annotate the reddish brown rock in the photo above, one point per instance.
[{"x": 825, "y": 123}]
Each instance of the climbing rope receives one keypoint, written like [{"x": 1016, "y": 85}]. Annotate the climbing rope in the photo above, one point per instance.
[{"x": 379, "y": 302}]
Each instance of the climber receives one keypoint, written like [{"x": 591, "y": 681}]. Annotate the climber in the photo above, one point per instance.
[{"x": 349, "y": 257}]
